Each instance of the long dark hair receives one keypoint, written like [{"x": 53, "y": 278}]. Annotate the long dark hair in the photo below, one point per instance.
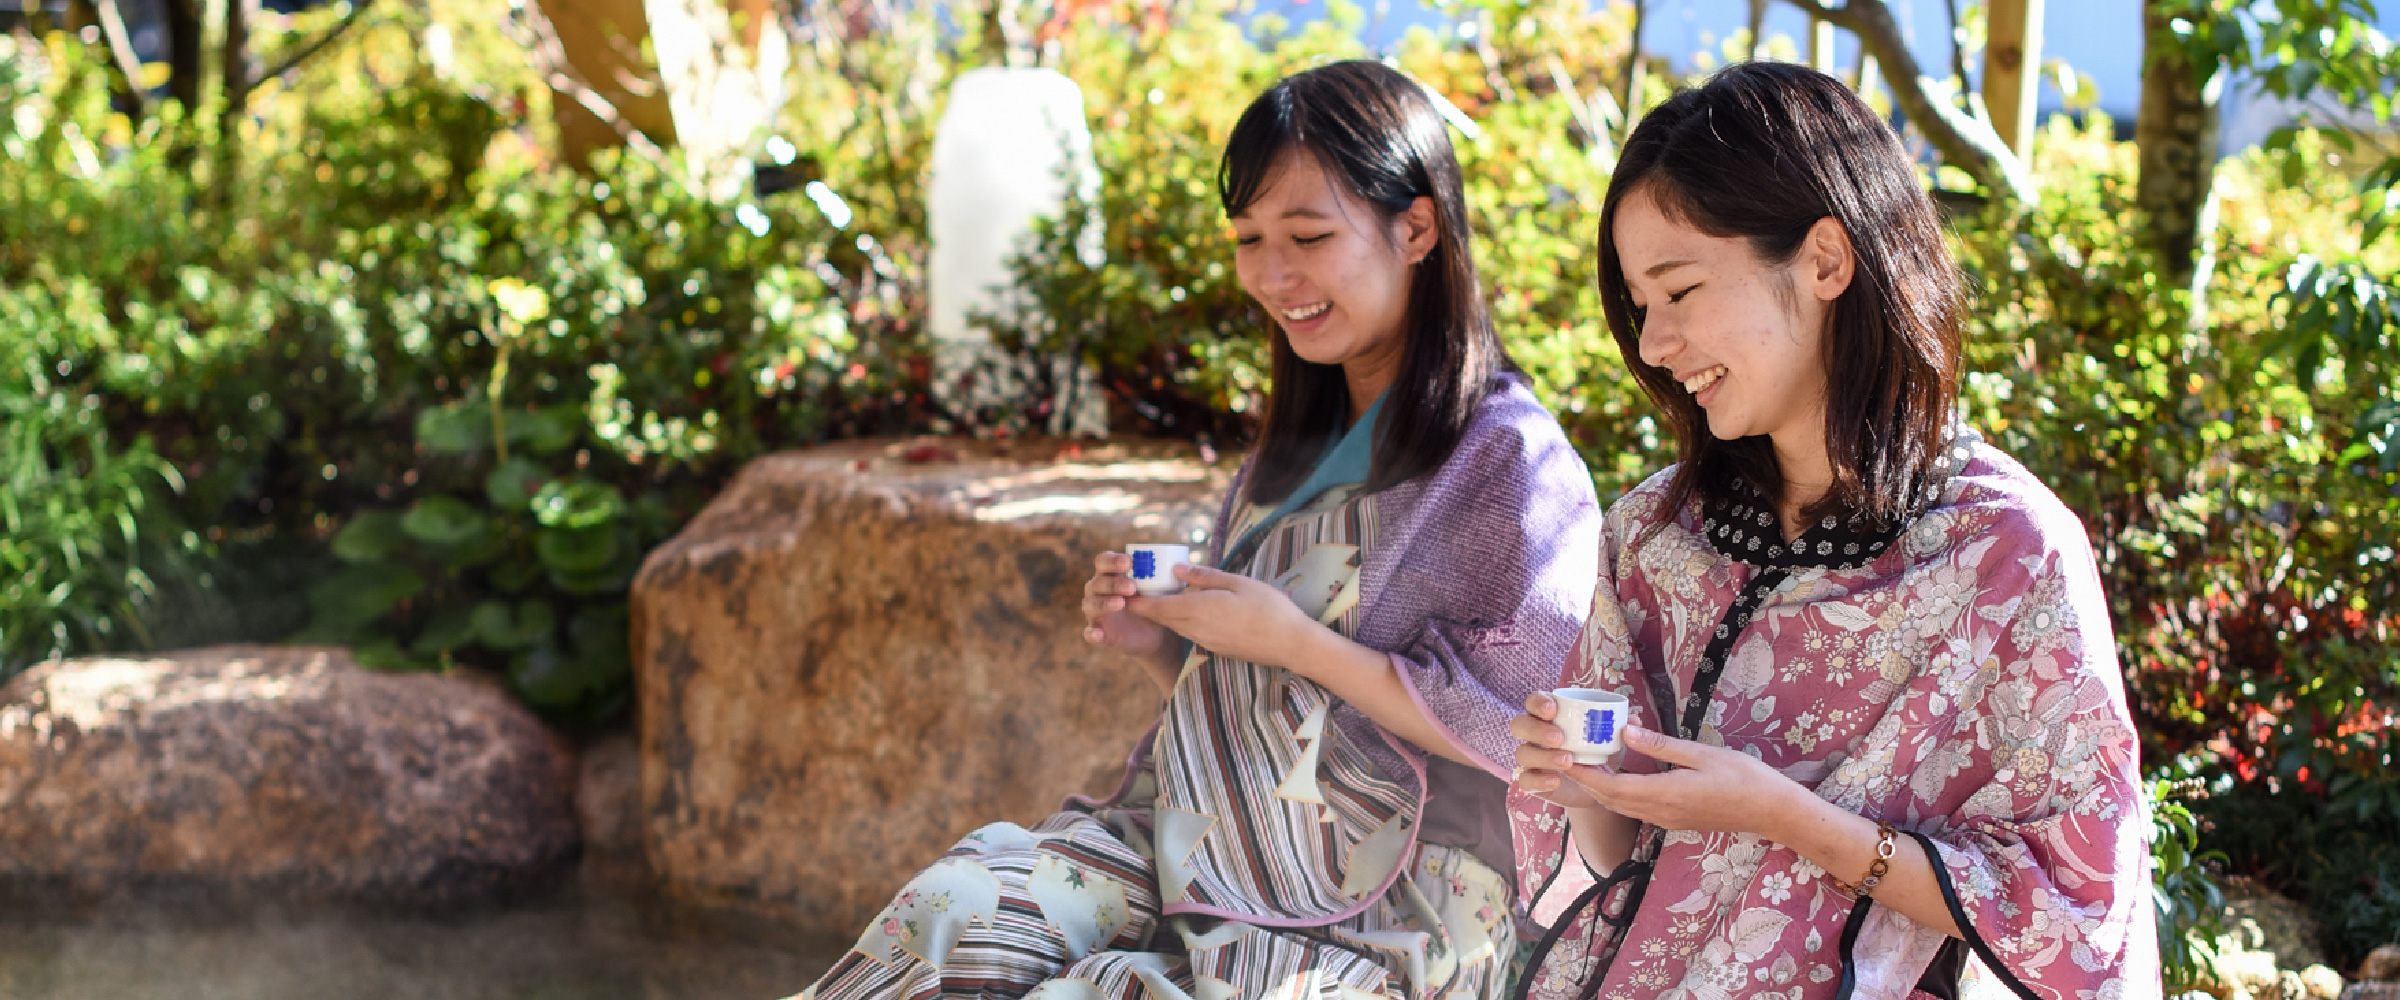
[
  {"x": 1762, "y": 151},
  {"x": 1379, "y": 136}
]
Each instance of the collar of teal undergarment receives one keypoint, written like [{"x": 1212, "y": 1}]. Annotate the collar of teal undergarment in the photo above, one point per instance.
[{"x": 1347, "y": 462}]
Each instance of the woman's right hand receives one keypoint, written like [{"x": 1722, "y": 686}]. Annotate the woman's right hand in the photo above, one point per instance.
[
  {"x": 1105, "y": 620},
  {"x": 1541, "y": 765}
]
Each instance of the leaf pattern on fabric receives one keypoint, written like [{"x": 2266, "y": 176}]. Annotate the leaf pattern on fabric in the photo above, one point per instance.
[
  {"x": 1300, "y": 785},
  {"x": 929, "y": 916},
  {"x": 1369, "y": 866},
  {"x": 1086, "y": 909},
  {"x": 1179, "y": 834},
  {"x": 1324, "y": 583}
]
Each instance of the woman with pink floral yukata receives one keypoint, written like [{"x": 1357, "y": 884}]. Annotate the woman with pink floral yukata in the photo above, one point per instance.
[{"x": 1879, "y": 743}]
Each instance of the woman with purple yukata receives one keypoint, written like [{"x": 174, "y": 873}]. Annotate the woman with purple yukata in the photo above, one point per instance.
[
  {"x": 1878, "y": 743},
  {"x": 1405, "y": 557}
]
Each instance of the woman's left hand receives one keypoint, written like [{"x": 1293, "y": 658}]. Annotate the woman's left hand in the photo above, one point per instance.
[
  {"x": 1711, "y": 789},
  {"x": 1230, "y": 615}
]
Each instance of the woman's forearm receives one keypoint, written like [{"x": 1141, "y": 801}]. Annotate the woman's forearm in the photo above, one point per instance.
[
  {"x": 1164, "y": 665},
  {"x": 1603, "y": 838},
  {"x": 1368, "y": 679},
  {"x": 1844, "y": 844}
]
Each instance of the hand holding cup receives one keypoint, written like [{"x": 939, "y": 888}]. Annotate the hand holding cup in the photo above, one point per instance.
[
  {"x": 1106, "y": 622},
  {"x": 1559, "y": 731}
]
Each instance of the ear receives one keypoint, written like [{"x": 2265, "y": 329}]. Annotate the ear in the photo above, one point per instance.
[
  {"x": 1827, "y": 260},
  {"x": 1417, "y": 228}
]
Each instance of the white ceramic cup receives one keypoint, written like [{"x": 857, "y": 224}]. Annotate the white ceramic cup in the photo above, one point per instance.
[
  {"x": 1594, "y": 721},
  {"x": 1154, "y": 567}
]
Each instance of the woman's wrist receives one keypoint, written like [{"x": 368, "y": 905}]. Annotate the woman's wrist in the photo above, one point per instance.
[
  {"x": 1309, "y": 648},
  {"x": 1827, "y": 835},
  {"x": 1171, "y": 649}
]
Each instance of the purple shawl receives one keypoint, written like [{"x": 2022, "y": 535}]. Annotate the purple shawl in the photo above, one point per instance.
[{"x": 1477, "y": 586}]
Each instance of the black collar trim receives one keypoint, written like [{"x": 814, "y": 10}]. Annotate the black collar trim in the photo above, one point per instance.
[{"x": 1742, "y": 525}]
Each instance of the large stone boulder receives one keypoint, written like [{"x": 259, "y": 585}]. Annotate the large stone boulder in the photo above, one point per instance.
[
  {"x": 240, "y": 774},
  {"x": 862, "y": 651}
]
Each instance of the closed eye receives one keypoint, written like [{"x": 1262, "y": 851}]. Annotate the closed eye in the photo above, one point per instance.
[
  {"x": 1678, "y": 296},
  {"x": 1245, "y": 240},
  {"x": 1310, "y": 240}
]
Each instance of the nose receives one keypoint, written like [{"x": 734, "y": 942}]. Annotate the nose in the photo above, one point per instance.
[
  {"x": 1659, "y": 341},
  {"x": 1271, "y": 269}
]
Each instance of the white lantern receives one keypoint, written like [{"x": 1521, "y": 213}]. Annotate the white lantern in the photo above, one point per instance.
[
  {"x": 1003, "y": 155},
  {"x": 1008, "y": 146}
]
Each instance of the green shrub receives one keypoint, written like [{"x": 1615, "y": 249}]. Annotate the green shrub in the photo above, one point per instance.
[
  {"x": 485, "y": 394},
  {"x": 83, "y": 519},
  {"x": 2224, "y": 455}
]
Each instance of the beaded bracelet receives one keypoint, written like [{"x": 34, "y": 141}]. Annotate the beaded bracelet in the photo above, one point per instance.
[{"x": 1882, "y": 865}]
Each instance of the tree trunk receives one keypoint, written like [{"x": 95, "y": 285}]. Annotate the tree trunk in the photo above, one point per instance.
[
  {"x": 1004, "y": 41},
  {"x": 233, "y": 68},
  {"x": 236, "y": 57},
  {"x": 184, "y": 53},
  {"x": 1758, "y": 29},
  {"x": 2176, "y": 132},
  {"x": 2012, "y": 70},
  {"x": 1820, "y": 46}
]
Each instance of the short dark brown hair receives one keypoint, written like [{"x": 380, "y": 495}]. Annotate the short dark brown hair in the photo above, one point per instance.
[{"x": 1762, "y": 151}]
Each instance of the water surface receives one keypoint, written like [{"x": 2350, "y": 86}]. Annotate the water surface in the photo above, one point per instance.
[{"x": 570, "y": 947}]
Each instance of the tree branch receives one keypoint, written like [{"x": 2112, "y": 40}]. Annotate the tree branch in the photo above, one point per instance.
[
  {"x": 1631, "y": 106},
  {"x": 1964, "y": 140},
  {"x": 120, "y": 50},
  {"x": 317, "y": 44}
]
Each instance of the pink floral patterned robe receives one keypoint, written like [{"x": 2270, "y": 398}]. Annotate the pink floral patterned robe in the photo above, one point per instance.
[{"x": 1954, "y": 676}]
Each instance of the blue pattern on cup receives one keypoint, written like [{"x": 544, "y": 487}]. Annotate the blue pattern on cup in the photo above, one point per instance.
[
  {"x": 1600, "y": 725},
  {"x": 1145, "y": 565}
]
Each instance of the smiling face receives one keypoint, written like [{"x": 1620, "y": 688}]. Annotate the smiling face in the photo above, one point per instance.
[
  {"x": 1743, "y": 336},
  {"x": 1332, "y": 270}
]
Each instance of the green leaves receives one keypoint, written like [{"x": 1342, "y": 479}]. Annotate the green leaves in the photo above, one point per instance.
[
  {"x": 369, "y": 536},
  {"x": 460, "y": 428},
  {"x": 2185, "y": 895},
  {"x": 495, "y": 624},
  {"x": 446, "y": 522},
  {"x": 2340, "y": 312},
  {"x": 515, "y": 483},
  {"x": 85, "y": 518},
  {"x": 567, "y": 545},
  {"x": 2294, "y": 48},
  {"x": 577, "y": 504},
  {"x": 313, "y": 346},
  {"x": 465, "y": 428},
  {"x": 348, "y": 600},
  {"x": 2340, "y": 305}
]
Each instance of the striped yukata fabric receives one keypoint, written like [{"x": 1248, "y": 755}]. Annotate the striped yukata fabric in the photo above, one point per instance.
[
  {"x": 1267, "y": 856},
  {"x": 1017, "y": 946}
]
